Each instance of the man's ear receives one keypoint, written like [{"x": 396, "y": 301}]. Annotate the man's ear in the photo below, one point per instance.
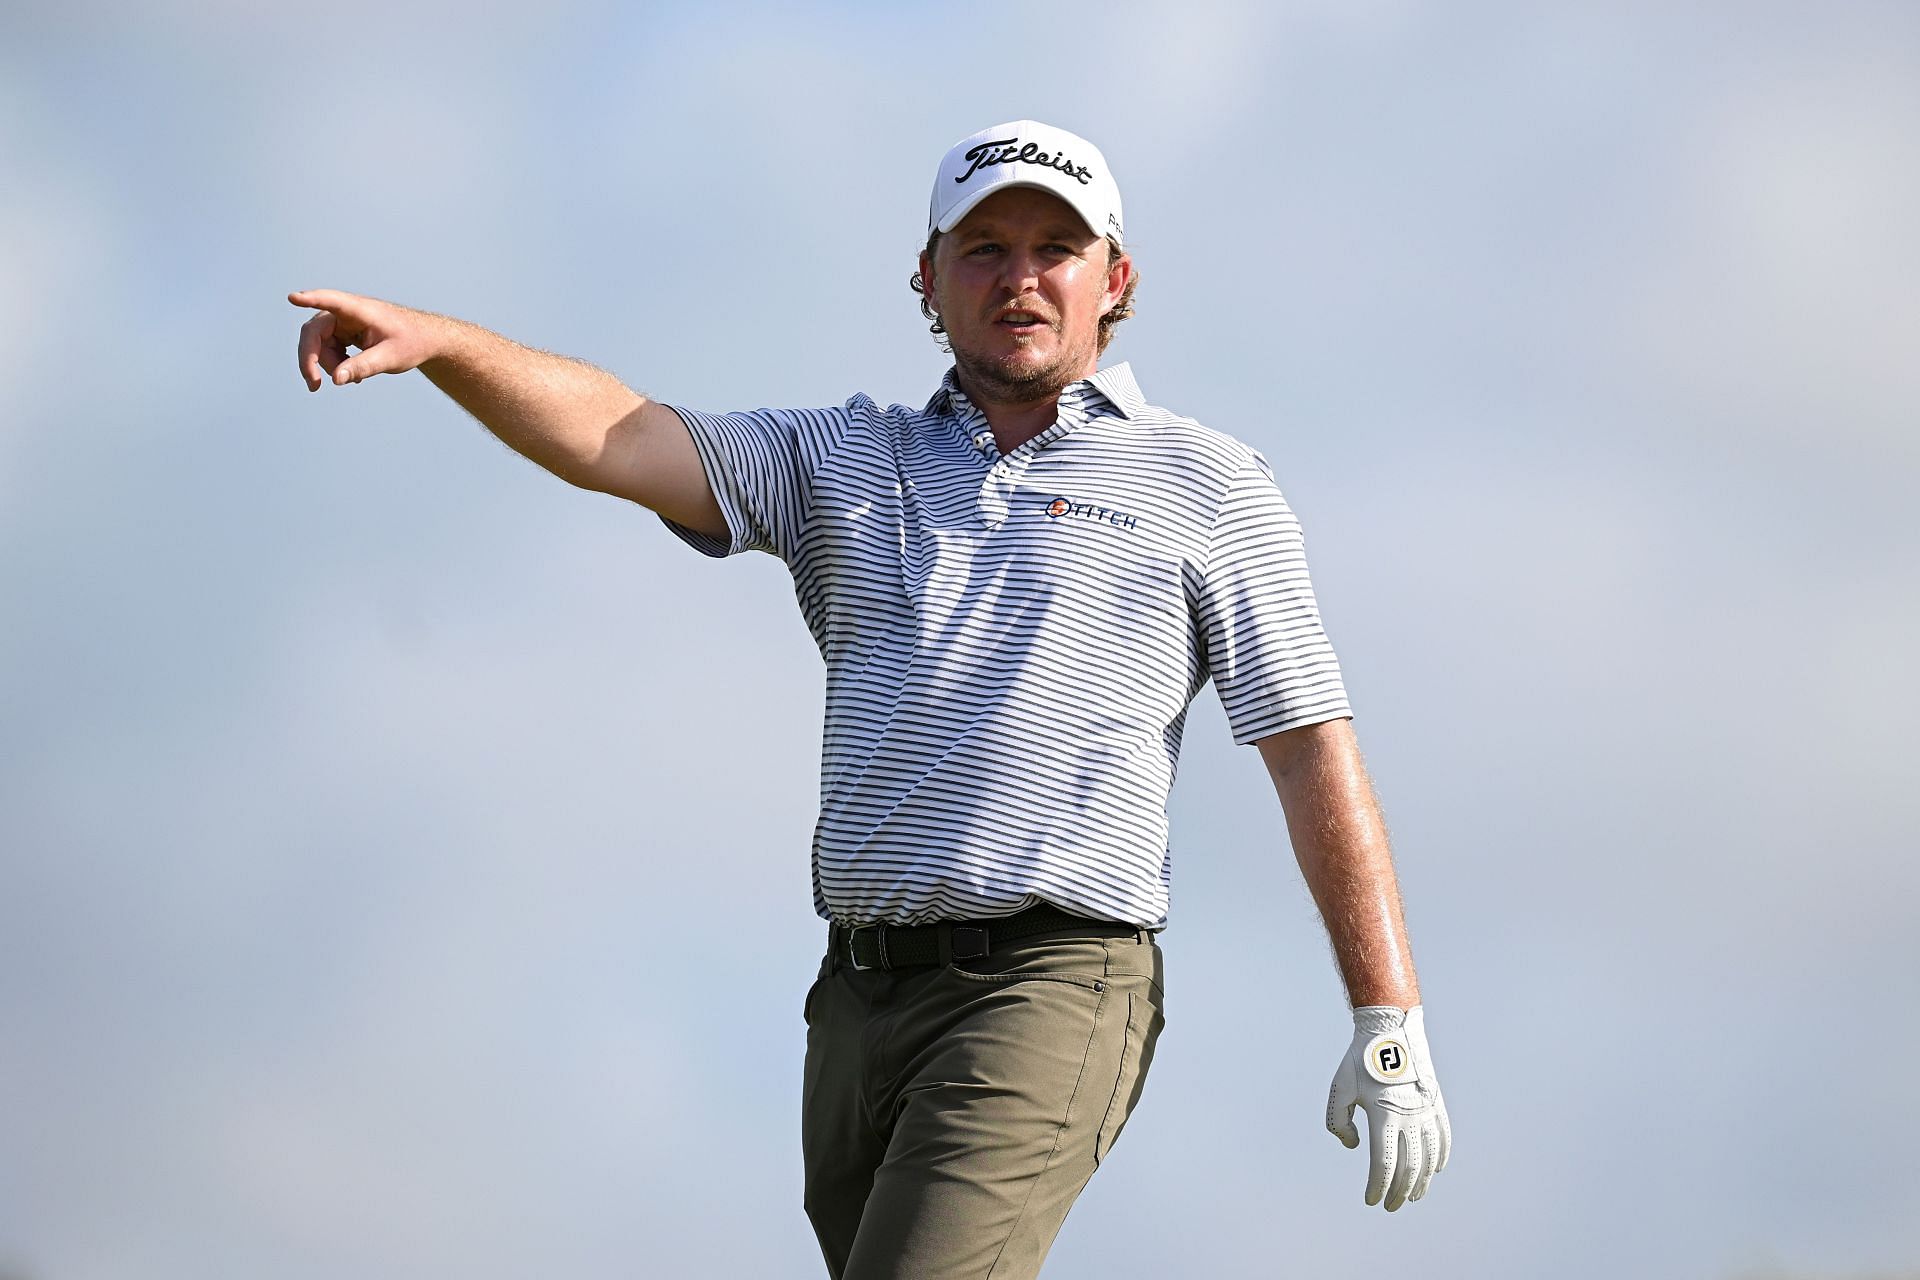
[
  {"x": 1119, "y": 274},
  {"x": 926, "y": 274}
]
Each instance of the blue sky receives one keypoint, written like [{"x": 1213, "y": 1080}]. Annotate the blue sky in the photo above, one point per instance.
[{"x": 366, "y": 794}]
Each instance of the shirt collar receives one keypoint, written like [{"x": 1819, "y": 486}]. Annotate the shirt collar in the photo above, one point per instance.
[
  {"x": 1117, "y": 387},
  {"x": 1114, "y": 385}
]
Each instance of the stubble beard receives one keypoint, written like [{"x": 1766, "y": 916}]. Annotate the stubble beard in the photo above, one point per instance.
[{"x": 1004, "y": 380}]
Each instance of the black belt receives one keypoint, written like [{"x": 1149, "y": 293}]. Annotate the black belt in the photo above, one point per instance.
[{"x": 895, "y": 946}]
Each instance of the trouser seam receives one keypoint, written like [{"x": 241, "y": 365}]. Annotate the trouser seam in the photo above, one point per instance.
[{"x": 1099, "y": 1011}]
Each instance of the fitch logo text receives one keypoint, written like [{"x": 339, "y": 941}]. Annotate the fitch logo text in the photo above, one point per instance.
[{"x": 1066, "y": 507}]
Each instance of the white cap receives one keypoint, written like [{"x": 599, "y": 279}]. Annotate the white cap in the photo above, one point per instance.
[{"x": 1025, "y": 153}]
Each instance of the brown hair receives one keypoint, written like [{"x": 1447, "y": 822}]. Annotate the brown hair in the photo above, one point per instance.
[{"x": 1121, "y": 309}]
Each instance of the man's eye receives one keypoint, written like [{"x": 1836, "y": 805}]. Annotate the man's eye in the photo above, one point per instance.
[{"x": 985, "y": 248}]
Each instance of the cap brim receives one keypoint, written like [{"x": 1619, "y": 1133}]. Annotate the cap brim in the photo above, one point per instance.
[{"x": 957, "y": 214}]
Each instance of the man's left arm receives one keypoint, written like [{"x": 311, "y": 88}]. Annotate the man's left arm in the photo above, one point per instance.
[{"x": 1340, "y": 840}]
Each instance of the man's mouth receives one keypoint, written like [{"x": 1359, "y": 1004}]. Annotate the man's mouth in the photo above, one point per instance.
[{"x": 1020, "y": 321}]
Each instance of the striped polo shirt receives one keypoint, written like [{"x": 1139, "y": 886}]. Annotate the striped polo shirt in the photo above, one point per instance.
[{"x": 1012, "y": 640}]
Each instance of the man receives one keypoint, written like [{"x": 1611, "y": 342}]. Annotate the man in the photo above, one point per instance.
[{"x": 1017, "y": 589}]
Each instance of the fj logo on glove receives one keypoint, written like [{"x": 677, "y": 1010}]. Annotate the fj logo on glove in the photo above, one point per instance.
[{"x": 1387, "y": 1060}]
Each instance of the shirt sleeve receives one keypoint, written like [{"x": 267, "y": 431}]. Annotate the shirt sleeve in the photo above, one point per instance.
[
  {"x": 760, "y": 466},
  {"x": 1270, "y": 659}
]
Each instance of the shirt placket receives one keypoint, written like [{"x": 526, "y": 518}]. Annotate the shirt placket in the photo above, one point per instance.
[{"x": 994, "y": 502}]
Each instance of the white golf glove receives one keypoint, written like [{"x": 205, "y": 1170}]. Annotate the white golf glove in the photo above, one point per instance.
[{"x": 1388, "y": 1071}]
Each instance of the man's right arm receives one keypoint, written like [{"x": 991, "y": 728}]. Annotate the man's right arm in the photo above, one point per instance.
[{"x": 579, "y": 422}]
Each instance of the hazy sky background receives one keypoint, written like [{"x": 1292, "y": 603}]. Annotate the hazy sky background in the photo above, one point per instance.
[{"x": 367, "y": 795}]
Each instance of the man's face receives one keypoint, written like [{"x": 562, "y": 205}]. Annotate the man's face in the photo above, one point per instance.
[{"x": 1021, "y": 285}]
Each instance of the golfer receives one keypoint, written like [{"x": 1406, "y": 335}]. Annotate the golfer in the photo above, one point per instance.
[{"x": 1018, "y": 587}]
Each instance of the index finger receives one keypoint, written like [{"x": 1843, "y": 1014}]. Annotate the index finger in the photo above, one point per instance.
[
  {"x": 1406, "y": 1169},
  {"x": 323, "y": 299}
]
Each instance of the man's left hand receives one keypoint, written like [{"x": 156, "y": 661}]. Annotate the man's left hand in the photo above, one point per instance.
[{"x": 1388, "y": 1072}]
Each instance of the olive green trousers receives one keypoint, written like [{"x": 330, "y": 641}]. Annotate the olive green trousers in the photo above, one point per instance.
[{"x": 952, "y": 1113}]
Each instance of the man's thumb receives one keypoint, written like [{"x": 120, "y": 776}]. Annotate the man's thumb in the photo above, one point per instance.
[
  {"x": 1341, "y": 1101},
  {"x": 375, "y": 359}
]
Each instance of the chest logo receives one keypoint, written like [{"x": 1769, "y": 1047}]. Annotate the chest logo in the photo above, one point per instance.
[{"x": 1061, "y": 508}]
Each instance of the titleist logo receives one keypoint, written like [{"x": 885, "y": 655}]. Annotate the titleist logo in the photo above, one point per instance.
[{"x": 1011, "y": 151}]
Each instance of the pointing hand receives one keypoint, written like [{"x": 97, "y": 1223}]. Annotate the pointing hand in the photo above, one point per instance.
[{"x": 392, "y": 339}]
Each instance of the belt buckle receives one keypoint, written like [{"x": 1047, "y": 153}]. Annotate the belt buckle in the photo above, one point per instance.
[
  {"x": 969, "y": 942},
  {"x": 853, "y": 952}
]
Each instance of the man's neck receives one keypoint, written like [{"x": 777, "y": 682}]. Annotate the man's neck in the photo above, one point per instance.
[{"x": 1014, "y": 422}]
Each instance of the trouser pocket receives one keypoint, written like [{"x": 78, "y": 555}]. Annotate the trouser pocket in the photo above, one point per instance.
[
  {"x": 1144, "y": 1021},
  {"x": 806, "y": 1006},
  {"x": 1087, "y": 980}
]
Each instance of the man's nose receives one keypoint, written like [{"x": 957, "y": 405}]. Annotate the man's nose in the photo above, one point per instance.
[{"x": 1022, "y": 271}]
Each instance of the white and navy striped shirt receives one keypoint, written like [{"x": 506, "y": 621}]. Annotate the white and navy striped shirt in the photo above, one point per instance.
[{"x": 1012, "y": 641}]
